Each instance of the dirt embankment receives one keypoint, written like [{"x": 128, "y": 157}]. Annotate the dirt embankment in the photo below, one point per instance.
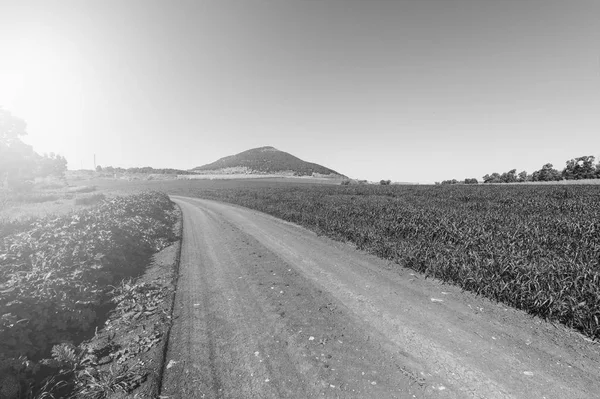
[{"x": 131, "y": 347}]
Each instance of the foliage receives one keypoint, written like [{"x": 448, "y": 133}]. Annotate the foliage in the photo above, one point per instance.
[
  {"x": 77, "y": 371},
  {"x": 453, "y": 181},
  {"x": 18, "y": 161},
  {"x": 533, "y": 247},
  {"x": 575, "y": 169},
  {"x": 137, "y": 300},
  {"x": 16, "y": 157},
  {"x": 76, "y": 375},
  {"x": 506, "y": 177},
  {"x": 51, "y": 165},
  {"x": 547, "y": 173},
  {"x": 580, "y": 168},
  {"x": 56, "y": 272},
  {"x": 10, "y": 226},
  {"x": 385, "y": 182}
]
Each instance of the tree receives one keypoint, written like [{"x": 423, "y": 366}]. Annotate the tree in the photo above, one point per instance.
[
  {"x": 385, "y": 182},
  {"x": 522, "y": 177},
  {"x": 493, "y": 178},
  {"x": 547, "y": 173},
  {"x": 17, "y": 159},
  {"x": 98, "y": 168},
  {"x": 471, "y": 181},
  {"x": 580, "y": 168},
  {"x": 51, "y": 165},
  {"x": 509, "y": 177},
  {"x": 453, "y": 181}
]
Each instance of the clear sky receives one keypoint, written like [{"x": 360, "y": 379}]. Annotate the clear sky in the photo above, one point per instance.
[{"x": 403, "y": 90}]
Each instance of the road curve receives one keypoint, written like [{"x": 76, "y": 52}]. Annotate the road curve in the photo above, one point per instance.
[{"x": 267, "y": 309}]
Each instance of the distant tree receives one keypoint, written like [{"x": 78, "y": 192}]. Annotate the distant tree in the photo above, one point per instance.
[
  {"x": 509, "y": 177},
  {"x": 471, "y": 181},
  {"x": 51, "y": 165},
  {"x": 453, "y": 181},
  {"x": 547, "y": 173},
  {"x": 17, "y": 159},
  {"x": 345, "y": 182},
  {"x": 522, "y": 177},
  {"x": 385, "y": 182},
  {"x": 98, "y": 168},
  {"x": 493, "y": 178},
  {"x": 580, "y": 168}
]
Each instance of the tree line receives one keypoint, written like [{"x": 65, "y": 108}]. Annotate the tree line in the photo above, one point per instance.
[{"x": 580, "y": 168}]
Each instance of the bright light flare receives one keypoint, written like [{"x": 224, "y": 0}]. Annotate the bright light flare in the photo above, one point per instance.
[{"x": 41, "y": 83}]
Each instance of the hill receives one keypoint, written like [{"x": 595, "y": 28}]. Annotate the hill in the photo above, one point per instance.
[{"x": 265, "y": 160}]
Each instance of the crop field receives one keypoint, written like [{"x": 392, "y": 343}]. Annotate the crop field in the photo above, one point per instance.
[
  {"x": 536, "y": 248},
  {"x": 57, "y": 274}
]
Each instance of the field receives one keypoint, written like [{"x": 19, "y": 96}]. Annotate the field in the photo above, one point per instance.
[
  {"x": 60, "y": 273},
  {"x": 535, "y": 247}
]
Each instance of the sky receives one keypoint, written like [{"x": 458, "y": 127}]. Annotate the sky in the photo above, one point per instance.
[{"x": 418, "y": 91}]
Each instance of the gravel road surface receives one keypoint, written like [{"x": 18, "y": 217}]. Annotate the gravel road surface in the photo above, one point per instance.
[{"x": 268, "y": 309}]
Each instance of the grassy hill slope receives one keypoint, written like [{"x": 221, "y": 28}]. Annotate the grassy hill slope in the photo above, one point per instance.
[{"x": 266, "y": 160}]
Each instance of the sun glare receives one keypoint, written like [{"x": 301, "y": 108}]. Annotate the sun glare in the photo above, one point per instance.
[{"x": 41, "y": 84}]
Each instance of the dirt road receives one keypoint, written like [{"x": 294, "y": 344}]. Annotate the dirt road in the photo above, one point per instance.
[{"x": 267, "y": 309}]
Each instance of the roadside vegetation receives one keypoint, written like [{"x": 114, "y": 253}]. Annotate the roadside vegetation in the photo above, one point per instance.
[
  {"x": 60, "y": 276},
  {"x": 536, "y": 248}
]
